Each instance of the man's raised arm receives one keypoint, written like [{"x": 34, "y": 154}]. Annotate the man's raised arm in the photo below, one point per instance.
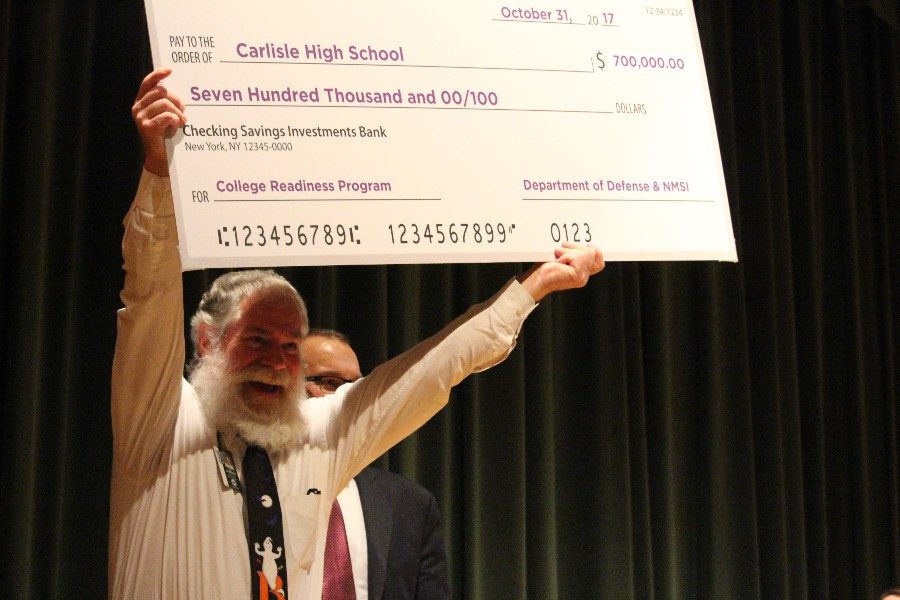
[
  {"x": 149, "y": 358},
  {"x": 396, "y": 398}
]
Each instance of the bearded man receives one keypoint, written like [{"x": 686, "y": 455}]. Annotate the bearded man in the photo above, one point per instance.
[{"x": 181, "y": 506}]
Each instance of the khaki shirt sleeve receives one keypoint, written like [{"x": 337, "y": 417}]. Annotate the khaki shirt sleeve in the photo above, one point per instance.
[
  {"x": 398, "y": 397},
  {"x": 148, "y": 365}
]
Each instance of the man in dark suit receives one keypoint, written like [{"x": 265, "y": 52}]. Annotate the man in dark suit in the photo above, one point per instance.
[{"x": 393, "y": 525}]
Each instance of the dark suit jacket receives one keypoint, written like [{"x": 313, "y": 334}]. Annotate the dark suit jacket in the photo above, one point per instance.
[{"x": 407, "y": 559}]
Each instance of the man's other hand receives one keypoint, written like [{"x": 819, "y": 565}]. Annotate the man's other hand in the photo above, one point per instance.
[
  {"x": 155, "y": 111},
  {"x": 572, "y": 267}
]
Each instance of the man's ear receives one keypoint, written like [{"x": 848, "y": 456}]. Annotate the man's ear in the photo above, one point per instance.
[{"x": 205, "y": 339}]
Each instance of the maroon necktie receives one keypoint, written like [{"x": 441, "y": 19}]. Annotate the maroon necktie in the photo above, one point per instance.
[{"x": 337, "y": 583}]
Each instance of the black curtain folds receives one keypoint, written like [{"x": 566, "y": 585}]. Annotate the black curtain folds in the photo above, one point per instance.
[{"x": 673, "y": 430}]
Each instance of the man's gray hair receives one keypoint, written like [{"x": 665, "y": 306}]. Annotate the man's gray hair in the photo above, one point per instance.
[{"x": 221, "y": 303}]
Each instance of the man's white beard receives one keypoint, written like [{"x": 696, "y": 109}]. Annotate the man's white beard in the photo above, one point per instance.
[{"x": 219, "y": 391}]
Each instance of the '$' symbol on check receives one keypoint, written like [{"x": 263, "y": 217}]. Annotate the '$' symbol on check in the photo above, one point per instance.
[{"x": 600, "y": 62}]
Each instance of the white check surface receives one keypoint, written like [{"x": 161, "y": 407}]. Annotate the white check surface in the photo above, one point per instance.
[{"x": 416, "y": 132}]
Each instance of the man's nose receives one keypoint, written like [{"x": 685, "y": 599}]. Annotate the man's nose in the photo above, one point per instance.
[{"x": 275, "y": 358}]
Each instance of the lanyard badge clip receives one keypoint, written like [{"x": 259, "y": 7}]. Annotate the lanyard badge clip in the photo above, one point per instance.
[{"x": 227, "y": 470}]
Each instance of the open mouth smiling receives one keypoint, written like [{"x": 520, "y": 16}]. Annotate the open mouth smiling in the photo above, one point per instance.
[{"x": 266, "y": 388}]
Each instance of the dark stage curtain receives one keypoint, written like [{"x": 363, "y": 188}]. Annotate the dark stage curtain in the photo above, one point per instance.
[{"x": 677, "y": 430}]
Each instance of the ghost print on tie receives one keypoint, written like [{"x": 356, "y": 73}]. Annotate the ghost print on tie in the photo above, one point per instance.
[{"x": 265, "y": 540}]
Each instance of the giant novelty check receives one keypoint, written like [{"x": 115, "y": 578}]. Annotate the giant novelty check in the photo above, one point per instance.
[{"x": 360, "y": 132}]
